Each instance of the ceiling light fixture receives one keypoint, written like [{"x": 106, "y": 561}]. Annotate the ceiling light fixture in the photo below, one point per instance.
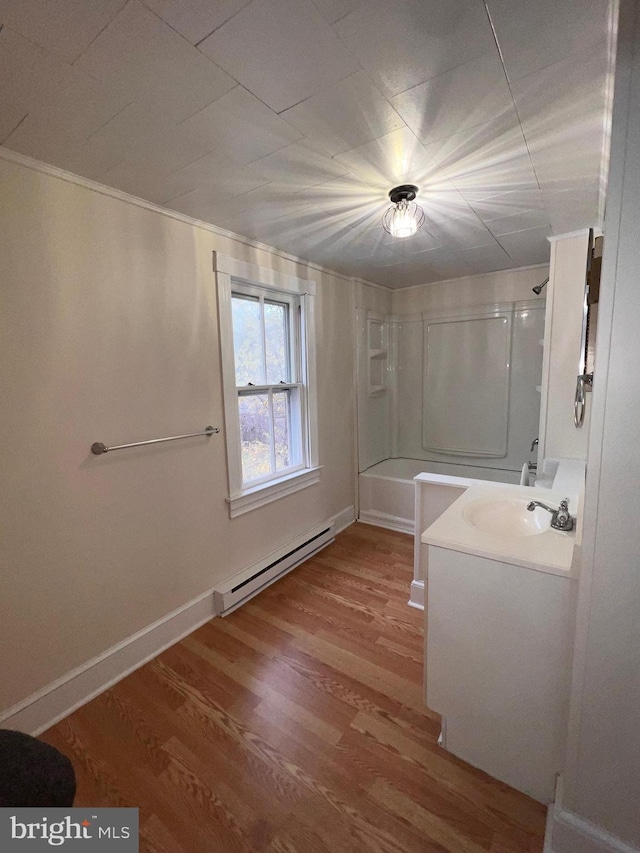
[{"x": 404, "y": 217}]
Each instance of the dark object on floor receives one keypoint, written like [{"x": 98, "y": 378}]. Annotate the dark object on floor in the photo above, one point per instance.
[{"x": 32, "y": 773}]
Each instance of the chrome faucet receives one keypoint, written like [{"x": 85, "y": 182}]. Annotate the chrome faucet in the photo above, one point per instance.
[{"x": 560, "y": 518}]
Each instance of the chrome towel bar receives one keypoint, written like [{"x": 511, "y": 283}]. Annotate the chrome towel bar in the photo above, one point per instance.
[{"x": 97, "y": 448}]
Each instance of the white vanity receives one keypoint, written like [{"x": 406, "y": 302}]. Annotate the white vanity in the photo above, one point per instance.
[{"x": 500, "y": 608}]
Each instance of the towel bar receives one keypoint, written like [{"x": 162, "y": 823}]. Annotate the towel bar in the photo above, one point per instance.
[{"x": 97, "y": 448}]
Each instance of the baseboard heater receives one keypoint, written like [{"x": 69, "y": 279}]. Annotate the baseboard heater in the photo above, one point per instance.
[{"x": 246, "y": 584}]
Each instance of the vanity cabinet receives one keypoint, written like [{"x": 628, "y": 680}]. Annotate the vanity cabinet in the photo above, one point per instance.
[{"x": 498, "y": 665}]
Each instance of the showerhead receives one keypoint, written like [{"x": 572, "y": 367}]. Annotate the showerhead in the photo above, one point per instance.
[{"x": 538, "y": 289}]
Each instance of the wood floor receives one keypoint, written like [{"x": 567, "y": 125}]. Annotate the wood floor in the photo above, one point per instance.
[{"x": 296, "y": 725}]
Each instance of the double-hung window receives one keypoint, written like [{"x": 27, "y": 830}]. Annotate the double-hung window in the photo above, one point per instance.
[{"x": 267, "y": 342}]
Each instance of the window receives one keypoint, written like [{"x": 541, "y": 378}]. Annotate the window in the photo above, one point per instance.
[
  {"x": 268, "y": 382},
  {"x": 266, "y": 331}
]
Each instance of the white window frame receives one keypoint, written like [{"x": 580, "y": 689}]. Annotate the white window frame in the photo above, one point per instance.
[{"x": 231, "y": 272}]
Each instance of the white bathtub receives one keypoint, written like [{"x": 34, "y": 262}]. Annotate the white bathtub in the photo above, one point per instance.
[{"x": 387, "y": 490}]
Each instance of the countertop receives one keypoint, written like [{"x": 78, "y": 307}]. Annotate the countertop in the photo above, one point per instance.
[{"x": 551, "y": 551}]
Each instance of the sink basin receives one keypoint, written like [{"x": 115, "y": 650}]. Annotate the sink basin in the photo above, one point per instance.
[{"x": 507, "y": 517}]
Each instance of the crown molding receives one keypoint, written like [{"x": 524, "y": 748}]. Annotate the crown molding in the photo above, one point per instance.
[
  {"x": 465, "y": 277},
  {"x": 581, "y": 232},
  {"x": 120, "y": 195}
]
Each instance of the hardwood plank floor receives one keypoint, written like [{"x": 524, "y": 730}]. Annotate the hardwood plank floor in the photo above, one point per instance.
[{"x": 296, "y": 725}]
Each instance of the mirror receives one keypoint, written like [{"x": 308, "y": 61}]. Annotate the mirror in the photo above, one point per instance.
[{"x": 589, "y": 327}]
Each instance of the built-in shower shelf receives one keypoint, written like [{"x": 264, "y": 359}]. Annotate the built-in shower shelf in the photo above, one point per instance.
[{"x": 378, "y": 354}]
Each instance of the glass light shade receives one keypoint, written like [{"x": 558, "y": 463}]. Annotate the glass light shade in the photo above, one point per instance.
[{"x": 403, "y": 219}]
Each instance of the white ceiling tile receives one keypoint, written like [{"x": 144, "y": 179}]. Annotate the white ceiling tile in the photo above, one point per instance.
[
  {"x": 403, "y": 44},
  {"x": 206, "y": 203},
  {"x": 344, "y": 115},
  {"x": 196, "y": 19},
  {"x": 499, "y": 205},
  {"x": 66, "y": 27},
  {"x": 241, "y": 213},
  {"x": 132, "y": 52},
  {"x": 519, "y": 222},
  {"x": 239, "y": 124},
  {"x": 221, "y": 171},
  {"x": 562, "y": 110},
  {"x": 191, "y": 86},
  {"x": 141, "y": 180},
  {"x": 571, "y": 210},
  {"x": 215, "y": 173},
  {"x": 465, "y": 232},
  {"x": 143, "y": 110},
  {"x": 372, "y": 271},
  {"x": 483, "y": 259},
  {"x": 140, "y": 55},
  {"x": 43, "y": 85},
  {"x": 471, "y": 94},
  {"x": 11, "y": 114},
  {"x": 347, "y": 200},
  {"x": 394, "y": 158},
  {"x": 281, "y": 50},
  {"x": 47, "y": 142},
  {"x": 277, "y": 232},
  {"x": 298, "y": 167},
  {"x": 527, "y": 247},
  {"x": 495, "y": 140},
  {"x": 400, "y": 275},
  {"x": 480, "y": 161},
  {"x": 270, "y": 202},
  {"x": 334, "y": 10},
  {"x": 318, "y": 237},
  {"x": 148, "y": 136},
  {"x": 421, "y": 241},
  {"x": 534, "y": 35},
  {"x": 368, "y": 246},
  {"x": 442, "y": 264},
  {"x": 440, "y": 200}
]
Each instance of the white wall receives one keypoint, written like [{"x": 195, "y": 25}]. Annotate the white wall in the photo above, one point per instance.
[
  {"x": 559, "y": 437},
  {"x": 602, "y": 773},
  {"x": 109, "y": 333},
  {"x": 502, "y": 286}
]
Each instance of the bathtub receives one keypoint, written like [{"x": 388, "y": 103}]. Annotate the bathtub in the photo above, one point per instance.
[
  {"x": 387, "y": 490},
  {"x": 409, "y": 494}
]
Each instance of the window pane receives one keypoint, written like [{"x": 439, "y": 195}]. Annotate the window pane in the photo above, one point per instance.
[
  {"x": 282, "y": 428},
  {"x": 247, "y": 340},
  {"x": 255, "y": 436},
  {"x": 276, "y": 328}
]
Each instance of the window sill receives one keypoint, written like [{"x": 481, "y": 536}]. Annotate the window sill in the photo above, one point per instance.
[{"x": 258, "y": 496}]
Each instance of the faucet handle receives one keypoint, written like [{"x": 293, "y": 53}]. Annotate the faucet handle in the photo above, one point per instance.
[{"x": 561, "y": 519}]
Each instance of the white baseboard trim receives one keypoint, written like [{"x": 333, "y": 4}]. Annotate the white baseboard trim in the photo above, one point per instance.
[
  {"x": 417, "y": 595},
  {"x": 68, "y": 693},
  {"x": 57, "y": 700},
  {"x": 344, "y": 519},
  {"x": 573, "y": 834},
  {"x": 390, "y": 522},
  {"x": 569, "y": 833}
]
